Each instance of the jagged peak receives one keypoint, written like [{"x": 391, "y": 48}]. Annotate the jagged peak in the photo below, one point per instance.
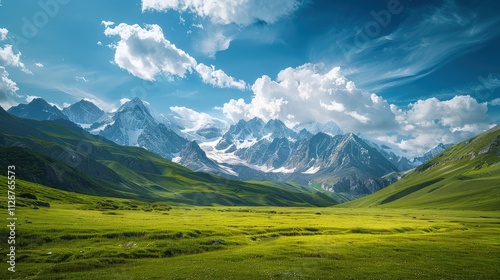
[
  {"x": 40, "y": 101},
  {"x": 136, "y": 102},
  {"x": 193, "y": 144}
]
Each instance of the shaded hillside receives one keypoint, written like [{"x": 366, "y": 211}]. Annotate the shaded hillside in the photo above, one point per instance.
[
  {"x": 61, "y": 155},
  {"x": 464, "y": 176}
]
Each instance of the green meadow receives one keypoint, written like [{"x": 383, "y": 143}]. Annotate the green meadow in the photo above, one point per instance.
[{"x": 64, "y": 235}]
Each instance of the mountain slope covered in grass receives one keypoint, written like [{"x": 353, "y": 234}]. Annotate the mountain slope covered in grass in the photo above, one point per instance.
[
  {"x": 61, "y": 155},
  {"x": 464, "y": 176}
]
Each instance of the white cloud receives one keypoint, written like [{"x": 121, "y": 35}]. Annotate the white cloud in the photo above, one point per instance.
[
  {"x": 312, "y": 93},
  {"x": 66, "y": 104},
  {"x": 213, "y": 41},
  {"x": 55, "y": 104},
  {"x": 81, "y": 79},
  {"x": 145, "y": 53},
  {"x": 99, "y": 43},
  {"x": 30, "y": 98},
  {"x": 107, "y": 23},
  {"x": 39, "y": 65},
  {"x": 8, "y": 89},
  {"x": 198, "y": 25},
  {"x": 3, "y": 34},
  {"x": 494, "y": 102},
  {"x": 240, "y": 12},
  {"x": 124, "y": 100},
  {"x": 428, "y": 122},
  {"x": 8, "y": 58},
  {"x": 218, "y": 78},
  {"x": 222, "y": 20},
  {"x": 192, "y": 120}
]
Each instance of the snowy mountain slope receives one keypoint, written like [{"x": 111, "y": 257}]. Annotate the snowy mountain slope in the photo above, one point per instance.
[
  {"x": 83, "y": 112},
  {"x": 38, "y": 109},
  {"x": 329, "y": 128}
]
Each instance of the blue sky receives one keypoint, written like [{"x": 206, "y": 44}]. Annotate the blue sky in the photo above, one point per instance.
[{"x": 399, "y": 71}]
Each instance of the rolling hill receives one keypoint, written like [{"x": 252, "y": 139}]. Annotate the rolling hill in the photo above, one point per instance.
[
  {"x": 464, "y": 176},
  {"x": 61, "y": 155}
]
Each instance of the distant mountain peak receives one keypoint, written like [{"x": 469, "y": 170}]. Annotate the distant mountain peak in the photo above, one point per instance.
[
  {"x": 37, "y": 109},
  {"x": 83, "y": 112},
  {"x": 313, "y": 127},
  {"x": 132, "y": 104}
]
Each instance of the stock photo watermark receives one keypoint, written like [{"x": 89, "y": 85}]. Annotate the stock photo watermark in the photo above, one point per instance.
[
  {"x": 11, "y": 220},
  {"x": 372, "y": 29},
  {"x": 31, "y": 25}
]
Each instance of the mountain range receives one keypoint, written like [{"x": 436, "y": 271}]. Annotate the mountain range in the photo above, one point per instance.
[
  {"x": 465, "y": 176},
  {"x": 83, "y": 112},
  {"x": 314, "y": 154},
  {"x": 62, "y": 155}
]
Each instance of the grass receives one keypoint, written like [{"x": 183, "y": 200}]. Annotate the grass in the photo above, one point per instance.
[
  {"x": 67, "y": 235},
  {"x": 463, "y": 177},
  {"x": 110, "y": 238},
  {"x": 58, "y": 155}
]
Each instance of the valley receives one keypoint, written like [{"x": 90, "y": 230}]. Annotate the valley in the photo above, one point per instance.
[
  {"x": 88, "y": 208},
  {"x": 86, "y": 237},
  {"x": 249, "y": 139}
]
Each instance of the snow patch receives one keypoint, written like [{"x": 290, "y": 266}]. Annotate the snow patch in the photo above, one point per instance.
[
  {"x": 133, "y": 135},
  {"x": 102, "y": 127},
  {"x": 311, "y": 170},
  {"x": 284, "y": 170},
  {"x": 176, "y": 159}
]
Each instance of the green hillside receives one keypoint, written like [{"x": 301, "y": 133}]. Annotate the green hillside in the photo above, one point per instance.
[
  {"x": 465, "y": 176},
  {"x": 61, "y": 155}
]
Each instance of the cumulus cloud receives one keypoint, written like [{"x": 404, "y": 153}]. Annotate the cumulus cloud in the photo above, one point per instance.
[
  {"x": 144, "y": 52},
  {"x": 9, "y": 58},
  {"x": 39, "y": 65},
  {"x": 218, "y": 78},
  {"x": 7, "y": 86},
  {"x": 240, "y": 12},
  {"x": 192, "y": 120},
  {"x": 431, "y": 121},
  {"x": 3, "y": 34},
  {"x": 312, "y": 93},
  {"x": 8, "y": 89}
]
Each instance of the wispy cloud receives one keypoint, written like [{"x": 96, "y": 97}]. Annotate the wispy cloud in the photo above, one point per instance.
[
  {"x": 482, "y": 89},
  {"x": 424, "y": 41},
  {"x": 81, "y": 79},
  {"x": 62, "y": 78}
]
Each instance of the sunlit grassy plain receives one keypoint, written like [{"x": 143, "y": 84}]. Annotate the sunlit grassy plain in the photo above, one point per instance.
[{"x": 99, "y": 238}]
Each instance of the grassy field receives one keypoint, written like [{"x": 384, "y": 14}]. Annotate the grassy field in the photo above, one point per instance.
[{"x": 84, "y": 237}]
